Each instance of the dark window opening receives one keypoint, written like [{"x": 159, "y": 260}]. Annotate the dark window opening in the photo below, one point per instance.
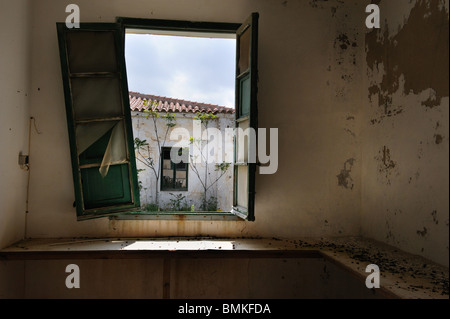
[{"x": 174, "y": 175}]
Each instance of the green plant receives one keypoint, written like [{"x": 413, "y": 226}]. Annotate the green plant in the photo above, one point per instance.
[
  {"x": 152, "y": 207},
  {"x": 204, "y": 118},
  {"x": 211, "y": 205},
  {"x": 175, "y": 202},
  {"x": 208, "y": 204}
]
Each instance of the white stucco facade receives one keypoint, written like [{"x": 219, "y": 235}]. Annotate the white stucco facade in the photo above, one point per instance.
[{"x": 144, "y": 129}]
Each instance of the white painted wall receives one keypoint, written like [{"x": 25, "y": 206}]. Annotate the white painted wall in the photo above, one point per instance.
[
  {"x": 14, "y": 116},
  {"x": 143, "y": 128}
]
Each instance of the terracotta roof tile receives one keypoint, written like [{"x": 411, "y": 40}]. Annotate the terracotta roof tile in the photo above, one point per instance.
[{"x": 165, "y": 104}]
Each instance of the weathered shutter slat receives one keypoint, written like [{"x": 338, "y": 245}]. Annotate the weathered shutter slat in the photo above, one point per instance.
[{"x": 99, "y": 119}]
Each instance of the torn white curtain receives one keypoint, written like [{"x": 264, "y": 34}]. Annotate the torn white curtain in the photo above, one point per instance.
[{"x": 88, "y": 134}]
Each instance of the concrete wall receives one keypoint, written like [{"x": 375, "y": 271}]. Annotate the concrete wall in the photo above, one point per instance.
[
  {"x": 308, "y": 88},
  {"x": 405, "y": 130},
  {"x": 144, "y": 129},
  {"x": 14, "y": 116}
]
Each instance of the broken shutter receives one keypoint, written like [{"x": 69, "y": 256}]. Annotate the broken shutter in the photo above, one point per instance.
[
  {"x": 99, "y": 119},
  {"x": 246, "y": 119}
]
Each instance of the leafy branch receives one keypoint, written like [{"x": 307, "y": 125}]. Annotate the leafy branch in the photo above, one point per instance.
[{"x": 205, "y": 119}]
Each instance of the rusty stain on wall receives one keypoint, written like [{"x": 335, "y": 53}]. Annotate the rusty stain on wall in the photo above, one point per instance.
[
  {"x": 418, "y": 53},
  {"x": 423, "y": 232},
  {"x": 415, "y": 177},
  {"x": 392, "y": 218},
  {"x": 388, "y": 111},
  {"x": 344, "y": 42},
  {"x": 350, "y": 126},
  {"x": 434, "y": 215},
  {"x": 438, "y": 138},
  {"x": 386, "y": 165},
  {"x": 345, "y": 46},
  {"x": 344, "y": 178}
]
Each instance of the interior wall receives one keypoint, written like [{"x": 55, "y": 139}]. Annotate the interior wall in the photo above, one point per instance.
[
  {"x": 405, "y": 130},
  {"x": 362, "y": 118},
  {"x": 310, "y": 88},
  {"x": 14, "y": 116}
]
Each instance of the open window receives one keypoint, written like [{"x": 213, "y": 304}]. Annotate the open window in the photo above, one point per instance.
[{"x": 99, "y": 117}]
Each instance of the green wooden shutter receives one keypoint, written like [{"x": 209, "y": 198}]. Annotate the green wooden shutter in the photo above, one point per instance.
[
  {"x": 98, "y": 119},
  {"x": 246, "y": 117}
]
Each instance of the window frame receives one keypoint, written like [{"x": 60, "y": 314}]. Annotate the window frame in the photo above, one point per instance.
[
  {"x": 251, "y": 115},
  {"x": 238, "y": 29}
]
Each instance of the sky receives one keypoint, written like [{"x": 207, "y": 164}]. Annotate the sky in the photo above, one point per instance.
[{"x": 188, "y": 68}]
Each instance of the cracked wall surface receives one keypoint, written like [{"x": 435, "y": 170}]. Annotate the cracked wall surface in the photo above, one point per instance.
[{"x": 405, "y": 131}]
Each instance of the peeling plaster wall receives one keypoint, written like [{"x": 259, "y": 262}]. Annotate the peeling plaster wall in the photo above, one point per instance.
[
  {"x": 14, "y": 116},
  {"x": 405, "y": 131},
  {"x": 362, "y": 119},
  {"x": 310, "y": 57}
]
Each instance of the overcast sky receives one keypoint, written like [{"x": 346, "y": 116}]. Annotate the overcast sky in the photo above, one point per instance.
[{"x": 194, "y": 69}]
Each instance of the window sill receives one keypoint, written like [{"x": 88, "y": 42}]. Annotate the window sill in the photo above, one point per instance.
[
  {"x": 403, "y": 276},
  {"x": 194, "y": 216}
]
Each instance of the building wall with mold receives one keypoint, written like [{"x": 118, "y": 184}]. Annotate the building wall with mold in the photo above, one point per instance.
[
  {"x": 14, "y": 116},
  {"x": 405, "y": 131}
]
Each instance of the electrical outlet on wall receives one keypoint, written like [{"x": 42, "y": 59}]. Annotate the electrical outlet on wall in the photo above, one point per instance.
[{"x": 23, "y": 161}]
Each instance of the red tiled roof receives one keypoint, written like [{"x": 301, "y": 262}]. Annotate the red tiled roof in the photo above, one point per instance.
[{"x": 165, "y": 104}]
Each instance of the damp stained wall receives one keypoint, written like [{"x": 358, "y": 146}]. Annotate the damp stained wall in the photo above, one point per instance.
[
  {"x": 405, "y": 131},
  {"x": 14, "y": 116}
]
